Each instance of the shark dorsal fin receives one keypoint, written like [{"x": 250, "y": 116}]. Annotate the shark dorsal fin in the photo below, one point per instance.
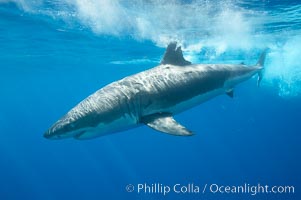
[{"x": 174, "y": 56}]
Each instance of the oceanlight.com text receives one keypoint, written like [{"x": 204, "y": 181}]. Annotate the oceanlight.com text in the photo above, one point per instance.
[{"x": 251, "y": 189}]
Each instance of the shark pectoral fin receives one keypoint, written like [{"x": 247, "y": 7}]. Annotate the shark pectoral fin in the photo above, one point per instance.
[
  {"x": 230, "y": 93},
  {"x": 164, "y": 122}
]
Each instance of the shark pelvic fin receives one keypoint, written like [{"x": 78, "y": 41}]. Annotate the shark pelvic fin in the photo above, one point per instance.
[
  {"x": 174, "y": 56},
  {"x": 164, "y": 122},
  {"x": 230, "y": 93}
]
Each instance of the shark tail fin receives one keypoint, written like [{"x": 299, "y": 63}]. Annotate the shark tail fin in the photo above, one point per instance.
[{"x": 260, "y": 64}]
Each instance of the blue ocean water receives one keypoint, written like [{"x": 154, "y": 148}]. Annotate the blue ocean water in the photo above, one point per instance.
[{"x": 53, "y": 54}]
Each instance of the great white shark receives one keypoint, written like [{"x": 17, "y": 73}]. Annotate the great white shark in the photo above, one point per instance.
[{"x": 153, "y": 97}]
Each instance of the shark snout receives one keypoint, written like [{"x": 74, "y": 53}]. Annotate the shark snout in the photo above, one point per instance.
[
  {"x": 52, "y": 133},
  {"x": 61, "y": 129},
  {"x": 66, "y": 127},
  {"x": 47, "y": 135}
]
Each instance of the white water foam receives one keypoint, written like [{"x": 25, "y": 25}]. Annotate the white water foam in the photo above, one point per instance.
[{"x": 284, "y": 68}]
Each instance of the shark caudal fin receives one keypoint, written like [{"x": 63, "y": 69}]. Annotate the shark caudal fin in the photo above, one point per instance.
[{"x": 260, "y": 63}]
